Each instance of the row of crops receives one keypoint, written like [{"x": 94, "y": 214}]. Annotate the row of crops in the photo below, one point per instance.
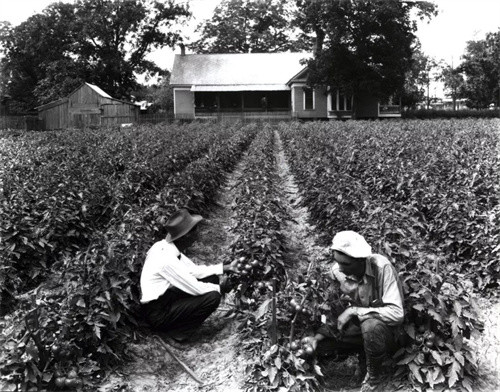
[
  {"x": 424, "y": 193},
  {"x": 80, "y": 210}
]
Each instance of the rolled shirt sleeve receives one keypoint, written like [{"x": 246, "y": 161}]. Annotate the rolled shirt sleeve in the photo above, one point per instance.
[
  {"x": 181, "y": 275},
  {"x": 201, "y": 271}
]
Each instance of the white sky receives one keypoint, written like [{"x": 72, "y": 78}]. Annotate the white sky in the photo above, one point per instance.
[{"x": 444, "y": 37}]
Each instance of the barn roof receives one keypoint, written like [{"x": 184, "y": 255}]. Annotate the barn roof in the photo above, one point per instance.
[
  {"x": 95, "y": 88},
  {"x": 236, "y": 71},
  {"x": 98, "y": 90}
]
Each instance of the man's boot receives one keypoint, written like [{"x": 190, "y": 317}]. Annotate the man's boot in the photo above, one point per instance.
[{"x": 374, "y": 373}]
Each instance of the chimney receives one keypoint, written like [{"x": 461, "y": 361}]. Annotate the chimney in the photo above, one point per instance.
[
  {"x": 183, "y": 49},
  {"x": 318, "y": 42}
]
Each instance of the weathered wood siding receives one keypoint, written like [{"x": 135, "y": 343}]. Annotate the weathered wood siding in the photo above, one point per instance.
[
  {"x": 56, "y": 116},
  {"x": 118, "y": 113},
  {"x": 85, "y": 107}
]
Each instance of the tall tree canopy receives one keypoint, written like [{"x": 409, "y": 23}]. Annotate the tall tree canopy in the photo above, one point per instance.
[
  {"x": 100, "y": 41},
  {"x": 481, "y": 69},
  {"x": 361, "y": 45},
  {"x": 453, "y": 81},
  {"x": 243, "y": 26}
]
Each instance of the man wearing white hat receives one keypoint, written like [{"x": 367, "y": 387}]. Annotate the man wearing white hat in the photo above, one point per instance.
[
  {"x": 375, "y": 293},
  {"x": 177, "y": 294}
]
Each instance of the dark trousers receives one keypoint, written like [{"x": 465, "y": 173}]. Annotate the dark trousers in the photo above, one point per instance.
[
  {"x": 372, "y": 338},
  {"x": 181, "y": 313}
]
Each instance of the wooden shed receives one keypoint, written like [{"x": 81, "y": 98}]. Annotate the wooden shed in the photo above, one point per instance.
[{"x": 87, "y": 106}]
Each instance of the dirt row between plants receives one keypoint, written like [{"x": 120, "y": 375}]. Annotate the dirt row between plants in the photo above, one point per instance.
[
  {"x": 212, "y": 354},
  {"x": 303, "y": 247},
  {"x": 302, "y": 244}
]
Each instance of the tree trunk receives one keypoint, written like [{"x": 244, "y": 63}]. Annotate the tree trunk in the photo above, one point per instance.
[
  {"x": 354, "y": 107},
  {"x": 428, "y": 99}
]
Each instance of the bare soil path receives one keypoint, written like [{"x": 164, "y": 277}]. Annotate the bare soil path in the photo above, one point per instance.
[
  {"x": 213, "y": 353},
  {"x": 302, "y": 244}
]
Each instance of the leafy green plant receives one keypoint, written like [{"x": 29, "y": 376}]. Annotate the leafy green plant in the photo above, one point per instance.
[
  {"x": 441, "y": 318},
  {"x": 91, "y": 316}
]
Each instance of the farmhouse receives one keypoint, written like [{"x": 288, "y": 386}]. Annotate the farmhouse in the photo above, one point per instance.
[
  {"x": 87, "y": 106},
  {"x": 260, "y": 85}
]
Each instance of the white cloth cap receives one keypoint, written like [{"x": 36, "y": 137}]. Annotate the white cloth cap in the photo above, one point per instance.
[{"x": 352, "y": 244}]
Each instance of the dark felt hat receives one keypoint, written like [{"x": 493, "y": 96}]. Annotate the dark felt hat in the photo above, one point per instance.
[{"x": 180, "y": 223}]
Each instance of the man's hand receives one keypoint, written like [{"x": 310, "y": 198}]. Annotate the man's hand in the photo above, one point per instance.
[
  {"x": 231, "y": 267},
  {"x": 313, "y": 340},
  {"x": 344, "y": 318}
]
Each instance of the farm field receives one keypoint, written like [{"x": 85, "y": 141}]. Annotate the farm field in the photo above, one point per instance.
[{"x": 80, "y": 209}]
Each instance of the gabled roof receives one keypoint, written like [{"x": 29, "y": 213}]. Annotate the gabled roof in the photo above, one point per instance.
[
  {"x": 98, "y": 90},
  {"x": 246, "y": 70}
]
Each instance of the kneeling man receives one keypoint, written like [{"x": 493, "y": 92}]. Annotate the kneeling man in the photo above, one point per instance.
[
  {"x": 177, "y": 294},
  {"x": 375, "y": 293}
]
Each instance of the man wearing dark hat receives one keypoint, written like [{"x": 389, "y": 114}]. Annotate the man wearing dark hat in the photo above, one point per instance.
[
  {"x": 368, "y": 327},
  {"x": 177, "y": 294}
]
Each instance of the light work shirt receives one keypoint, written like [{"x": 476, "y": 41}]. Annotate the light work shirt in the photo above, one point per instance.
[
  {"x": 165, "y": 266},
  {"x": 381, "y": 284}
]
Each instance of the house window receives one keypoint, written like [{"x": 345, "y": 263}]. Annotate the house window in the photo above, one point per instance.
[
  {"x": 334, "y": 100},
  {"x": 341, "y": 101},
  {"x": 308, "y": 99}
]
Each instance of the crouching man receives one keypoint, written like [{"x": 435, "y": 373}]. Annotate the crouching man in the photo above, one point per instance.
[
  {"x": 177, "y": 294},
  {"x": 368, "y": 326}
]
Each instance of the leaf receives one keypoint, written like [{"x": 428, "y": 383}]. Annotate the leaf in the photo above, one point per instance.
[
  {"x": 317, "y": 369},
  {"x": 430, "y": 377},
  {"x": 458, "y": 342},
  {"x": 439, "y": 376},
  {"x": 47, "y": 376},
  {"x": 436, "y": 316},
  {"x": 272, "y": 372},
  {"x": 263, "y": 308},
  {"x": 457, "y": 307},
  {"x": 410, "y": 330},
  {"x": 459, "y": 357},
  {"x": 406, "y": 360},
  {"x": 437, "y": 357},
  {"x": 97, "y": 331},
  {"x": 453, "y": 374},
  {"x": 467, "y": 384},
  {"x": 80, "y": 303},
  {"x": 415, "y": 369},
  {"x": 277, "y": 362}
]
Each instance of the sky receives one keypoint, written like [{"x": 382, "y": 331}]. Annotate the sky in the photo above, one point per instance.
[{"x": 443, "y": 38}]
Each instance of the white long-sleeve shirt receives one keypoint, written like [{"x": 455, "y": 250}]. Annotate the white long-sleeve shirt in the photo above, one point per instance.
[{"x": 165, "y": 267}]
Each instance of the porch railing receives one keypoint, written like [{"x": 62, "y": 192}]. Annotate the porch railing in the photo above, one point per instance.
[
  {"x": 246, "y": 116},
  {"x": 389, "y": 110}
]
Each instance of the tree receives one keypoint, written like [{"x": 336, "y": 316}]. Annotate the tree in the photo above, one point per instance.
[
  {"x": 100, "y": 41},
  {"x": 362, "y": 46},
  {"x": 453, "y": 82},
  {"x": 160, "y": 95},
  {"x": 481, "y": 70},
  {"x": 418, "y": 78},
  {"x": 243, "y": 26}
]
